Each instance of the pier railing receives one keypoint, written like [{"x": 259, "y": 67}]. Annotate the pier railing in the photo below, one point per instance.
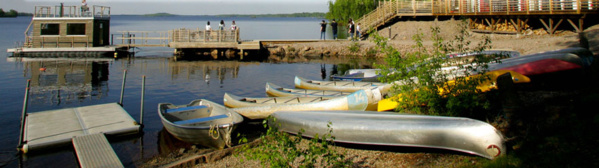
[
  {"x": 403, "y": 8},
  {"x": 71, "y": 11},
  {"x": 189, "y": 35},
  {"x": 163, "y": 38}
]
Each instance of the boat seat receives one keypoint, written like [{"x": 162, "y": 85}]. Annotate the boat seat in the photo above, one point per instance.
[
  {"x": 189, "y": 108},
  {"x": 199, "y": 120}
]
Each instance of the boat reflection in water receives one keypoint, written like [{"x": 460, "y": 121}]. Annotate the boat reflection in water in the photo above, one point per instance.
[
  {"x": 56, "y": 81},
  {"x": 189, "y": 69}
]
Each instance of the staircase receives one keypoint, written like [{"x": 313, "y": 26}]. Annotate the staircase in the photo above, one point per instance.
[{"x": 388, "y": 10}]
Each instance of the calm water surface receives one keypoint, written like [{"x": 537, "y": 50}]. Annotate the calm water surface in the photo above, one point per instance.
[{"x": 73, "y": 82}]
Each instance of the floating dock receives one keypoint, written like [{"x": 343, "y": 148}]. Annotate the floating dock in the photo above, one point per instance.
[{"x": 59, "y": 127}]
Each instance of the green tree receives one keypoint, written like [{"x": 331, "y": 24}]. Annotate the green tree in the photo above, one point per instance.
[
  {"x": 343, "y": 10},
  {"x": 2, "y": 13},
  {"x": 12, "y": 13}
]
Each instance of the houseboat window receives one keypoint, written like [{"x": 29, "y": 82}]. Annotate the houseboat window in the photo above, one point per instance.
[
  {"x": 50, "y": 29},
  {"x": 75, "y": 28}
]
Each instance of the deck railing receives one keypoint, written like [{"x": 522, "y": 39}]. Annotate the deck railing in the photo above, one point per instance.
[
  {"x": 392, "y": 8},
  {"x": 71, "y": 11}
]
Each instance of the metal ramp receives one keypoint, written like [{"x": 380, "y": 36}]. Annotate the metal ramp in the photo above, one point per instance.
[{"x": 95, "y": 151}]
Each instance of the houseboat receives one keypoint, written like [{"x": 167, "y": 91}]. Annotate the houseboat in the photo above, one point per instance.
[{"x": 68, "y": 31}]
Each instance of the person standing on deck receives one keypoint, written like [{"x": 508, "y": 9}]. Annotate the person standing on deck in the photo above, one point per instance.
[
  {"x": 84, "y": 7},
  {"x": 221, "y": 25},
  {"x": 208, "y": 29},
  {"x": 323, "y": 30},
  {"x": 233, "y": 26},
  {"x": 334, "y": 27},
  {"x": 351, "y": 29}
]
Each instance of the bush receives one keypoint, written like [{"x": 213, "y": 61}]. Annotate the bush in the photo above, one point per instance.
[
  {"x": 278, "y": 149},
  {"x": 424, "y": 88}
]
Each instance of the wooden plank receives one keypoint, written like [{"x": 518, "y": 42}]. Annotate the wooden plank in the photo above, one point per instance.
[{"x": 95, "y": 151}]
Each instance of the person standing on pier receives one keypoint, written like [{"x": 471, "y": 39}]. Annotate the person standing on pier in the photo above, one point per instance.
[
  {"x": 334, "y": 27},
  {"x": 323, "y": 30},
  {"x": 208, "y": 29},
  {"x": 221, "y": 25},
  {"x": 233, "y": 26}
]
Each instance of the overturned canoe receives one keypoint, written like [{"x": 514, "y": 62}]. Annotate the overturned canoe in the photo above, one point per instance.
[
  {"x": 359, "y": 75},
  {"x": 278, "y": 91},
  {"x": 393, "y": 129},
  {"x": 342, "y": 86},
  {"x": 199, "y": 122},
  {"x": 355, "y": 101}
]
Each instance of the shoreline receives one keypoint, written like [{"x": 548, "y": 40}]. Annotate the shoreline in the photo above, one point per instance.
[{"x": 366, "y": 156}]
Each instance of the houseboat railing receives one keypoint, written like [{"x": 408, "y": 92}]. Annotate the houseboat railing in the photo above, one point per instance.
[{"x": 71, "y": 11}]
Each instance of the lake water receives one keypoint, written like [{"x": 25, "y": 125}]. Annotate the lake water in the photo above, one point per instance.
[{"x": 70, "y": 83}]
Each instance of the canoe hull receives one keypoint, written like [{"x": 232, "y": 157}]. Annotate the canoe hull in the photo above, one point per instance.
[
  {"x": 393, "y": 129},
  {"x": 355, "y": 101},
  {"x": 277, "y": 91},
  {"x": 342, "y": 86},
  {"x": 200, "y": 133}
]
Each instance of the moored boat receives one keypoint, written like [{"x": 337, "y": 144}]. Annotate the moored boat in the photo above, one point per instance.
[
  {"x": 234, "y": 101},
  {"x": 200, "y": 122},
  {"x": 342, "y": 86},
  {"x": 278, "y": 91},
  {"x": 393, "y": 129},
  {"x": 355, "y": 101}
]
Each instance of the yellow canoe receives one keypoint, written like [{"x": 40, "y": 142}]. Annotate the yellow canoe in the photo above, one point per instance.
[{"x": 389, "y": 104}]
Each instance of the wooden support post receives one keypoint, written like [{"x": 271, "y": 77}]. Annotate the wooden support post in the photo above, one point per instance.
[{"x": 578, "y": 30}]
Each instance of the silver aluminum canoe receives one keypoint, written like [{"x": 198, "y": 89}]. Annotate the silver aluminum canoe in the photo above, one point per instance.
[
  {"x": 355, "y": 101},
  {"x": 393, "y": 129},
  {"x": 198, "y": 133}
]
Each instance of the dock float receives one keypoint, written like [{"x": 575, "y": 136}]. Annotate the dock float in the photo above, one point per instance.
[
  {"x": 94, "y": 151},
  {"x": 59, "y": 127}
]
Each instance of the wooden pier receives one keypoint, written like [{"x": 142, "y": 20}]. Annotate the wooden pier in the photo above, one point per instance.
[{"x": 58, "y": 127}]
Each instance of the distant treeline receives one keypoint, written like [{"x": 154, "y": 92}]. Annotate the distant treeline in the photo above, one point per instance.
[
  {"x": 13, "y": 13},
  {"x": 305, "y": 14},
  {"x": 343, "y": 10}
]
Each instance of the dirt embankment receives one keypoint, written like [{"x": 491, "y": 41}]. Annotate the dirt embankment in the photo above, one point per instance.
[{"x": 401, "y": 33}]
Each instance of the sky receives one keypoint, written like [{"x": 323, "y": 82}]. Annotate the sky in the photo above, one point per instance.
[{"x": 182, "y": 7}]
